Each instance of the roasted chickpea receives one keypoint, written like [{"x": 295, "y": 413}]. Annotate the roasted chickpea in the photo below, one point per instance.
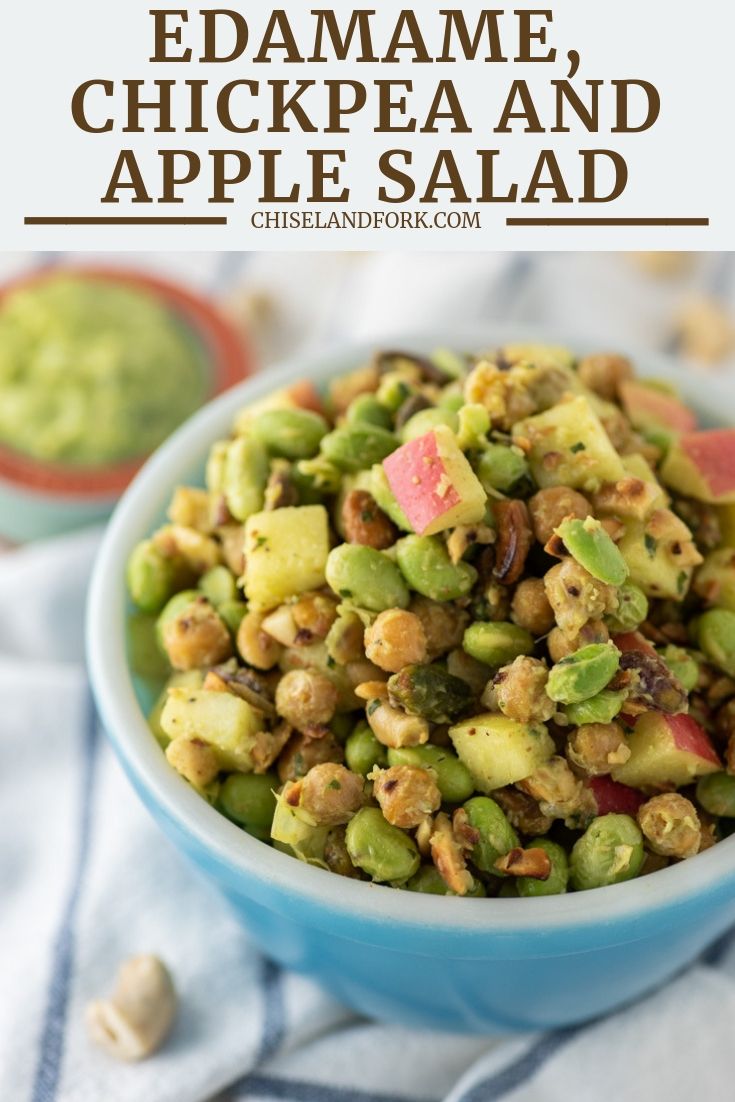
[
  {"x": 331, "y": 794},
  {"x": 395, "y": 640},
  {"x": 406, "y": 794},
  {"x": 671, "y": 825},
  {"x": 301, "y": 753},
  {"x": 549, "y": 507},
  {"x": 530, "y": 608},
  {"x": 306, "y": 698},
  {"x": 604, "y": 373},
  {"x": 597, "y": 748},
  {"x": 197, "y": 637}
]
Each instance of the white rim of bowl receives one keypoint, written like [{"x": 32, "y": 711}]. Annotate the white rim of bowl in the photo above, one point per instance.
[{"x": 138, "y": 511}]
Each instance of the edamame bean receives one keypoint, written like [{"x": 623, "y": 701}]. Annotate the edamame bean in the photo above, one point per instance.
[
  {"x": 367, "y": 409},
  {"x": 589, "y": 544},
  {"x": 393, "y": 390},
  {"x": 428, "y": 880},
  {"x": 355, "y": 447},
  {"x": 632, "y": 609},
  {"x": 144, "y": 653},
  {"x": 214, "y": 475},
  {"x": 583, "y": 674},
  {"x": 247, "y": 799},
  {"x": 246, "y": 474},
  {"x": 290, "y": 433},
  {"x": 363, "y": 751},
  {"x": 451, "y": 399},
  {"x": 218, "y": 585},
  {"x": 684, "y": 667},
  {"x": 601, "y": 708},
  {"x": 609, "y": 852},
  {"x": 556, "y": 884},
  {"x": 453, "y": 778},
  {"x": 497, "y": 836},
  {"x": 429, "y": 691},
  {"x": 496, "y": 644},
  {"x": 425, "y": 420},
  {"x": 716, "y": 794},
  {"x": 716, "y": 634},
  {"x": 384, "y": 496},
  {"x": 425, "y": 564},
  {"x": 474, "y": 425},
  {"x": 366, "y": 577},
  {"x": 501, "y": 468},
  {"x": 151, "y": 578},
  {"x": 233, "y": 613},
  {"x": 385, "y": 852}
]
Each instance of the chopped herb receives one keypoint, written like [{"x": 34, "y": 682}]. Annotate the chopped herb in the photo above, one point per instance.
[
  {"x": 330, "y": 662},
  {"x": 366, "y": 516},
  {"x": 334, "y": 784},
  {"x": 345, "y": 592},
  {"x": 260, "y": 541},
  {"x": 681, "y": 581},
  {"x": 578, "y": 447},
  {"x": 373, "y": 706},
  {"x": 651, "y": 545}
]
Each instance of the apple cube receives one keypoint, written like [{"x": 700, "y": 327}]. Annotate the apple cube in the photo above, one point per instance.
[
  {"x": 639, "y": 467},
  {"x": 646, "y": 406},
  {"x": 286, "y": 553},
  {"x": 714, "y": 581},
  {"x": 434, "y": 484},
  {"x": 569, "y": 447},
  {"x": 499, "y": 751},
  {"x": 612, "y": 797},
  {"x": 225, "y": 721},
  {"x": 702, "y": 465},
  {"x": 667, "y": 750},
  {"x": 652, "y": 551}
]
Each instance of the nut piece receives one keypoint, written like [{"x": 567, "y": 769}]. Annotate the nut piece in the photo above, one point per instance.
[
  {"x": 306, "y": 698},
  {"x": 596, "y": 748},
  {"x": 395, "y": 640},
  {"x": 559, "y": 793},
  {"x": 194, "y": 759},
  {"x": 522, "y": 811},
  {"x": 530, "y": 608},
  {"x": 520, "y": 690},
  {"x": 444, "y": 624},
  {"x": 448, "y": 856},
  {"x": 671, "y": 825},
  {"x": 302, "y": 753},
  {"x": 331, "y": 794},
  {"x": 629, "y": 497},
  {"x": 549, "y": 507},
  {"x": 365, "y": 523},
  {"x": 137, "y": 1017},
  {"x": 256, "y": 646},
  {"x": 535, "y": 863},
  {"x": 407, "y": 794},
  {"x": 514, "y": 540},
  {"x": 604, "y": 374}
]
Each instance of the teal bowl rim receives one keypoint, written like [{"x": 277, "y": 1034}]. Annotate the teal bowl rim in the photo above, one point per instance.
[{"x": 139, "y": 509}]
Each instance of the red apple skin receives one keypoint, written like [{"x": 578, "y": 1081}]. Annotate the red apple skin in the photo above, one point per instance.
[
  {"x": 643, "y": 403},
  {"x": 633, "y": 640},
  {"x": 416, "y": 475},
  {"x": 688, "y": 735},
  {"x": 306, "y": 396},
  {"x": 713, "y": 454},
  {"x": 611, "y": 796}
]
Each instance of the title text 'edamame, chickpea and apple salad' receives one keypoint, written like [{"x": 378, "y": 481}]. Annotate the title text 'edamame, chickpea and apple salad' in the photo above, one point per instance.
[{"x": 461, "y": 625}]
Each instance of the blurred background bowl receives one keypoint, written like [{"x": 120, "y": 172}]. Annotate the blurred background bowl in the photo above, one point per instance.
[{"x": 39, "y": 498}]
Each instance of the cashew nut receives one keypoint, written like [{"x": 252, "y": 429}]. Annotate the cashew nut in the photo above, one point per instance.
[{"x": 135, "y": 1020}]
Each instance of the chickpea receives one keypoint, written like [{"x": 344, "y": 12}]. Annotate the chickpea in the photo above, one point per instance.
[
  {"x": 522, "y": 811},
  {"x": 558, "y": 791},
  {"x": 560, "y": 645},
  {"x": 406, "y": 794},
  {"x": 549, "y": 507},
  {"x": 306, "y": 698},
  {"x": 255, "y": 645},
  {"x": 671, "y": 825},
  {"x": 313, "y": 614},
  {"x": 604, "y": 374},
  {"x": 596, "y": 748},
  {"x": 197, "y": 637},
  {"x": 331, "y": 794},
  {"x": 302, "y": 753},
  {"x": 395, "y": 640},
  {"x": 336, "y": 855},
  {"x": 520, "y": 691},
  {"x": 443, "y": 624},
  {"x": 576, "y": 597},
  {"x": 530, "y": 608},
  {"x": 194, "y": 759}
]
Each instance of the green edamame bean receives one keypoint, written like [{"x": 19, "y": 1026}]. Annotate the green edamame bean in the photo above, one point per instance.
[
  {"x": 214, "y": 475},
  {"x": 247, "y": 799},
  {"x": 393, "y": 390},
  {"x": 684, "y": 667},
  {"x": 385, "y": 498},
  {"x": 290, "y": 433},
  {"x": 342, "y": 725},
  {"x": 429, "y": 691},
  {"x": 451, "y": 363},
  {"x": 497, "y": 836},
  {"x": 501, "y": 468},
  {"x": 150, "y": 577},
  {"x": 385, "y": 852},
  {"x": 366, "y": 577},
  {"x": 474, "y": 425},
  {"x": 583, "y": 674},
  {"x": 425, "y": 564},
  {"x": 589, "y": 544},
  {"x": 246, "y": 474},
  {"x": 363, "y": 751},
  {"x": 508, "y": 889},
  {"x": 716, "y": 635},
  {"x": 172, "y": 608},
  {"x": 453, "y": 778},
  {"x": 356, "y": 447},
  {"x": 716, "y": 794},
  {"x": 496, "y": 644},
  {"x": 427, "y": 419},
  {"x": 233, "y": 614},
  {"x": 609, "y": 852},
  {"x": 632, "y": 609},
  {"x": 218, "y": 585},
  {"x": 428, "y": 881},
  {"x": 601, "y": 708},
  {"x": 144, "y": 653},
  {"x": 451, "y": 399},
  {"x": 556, "y": 884},
  {"x": 366, "y": 408}
]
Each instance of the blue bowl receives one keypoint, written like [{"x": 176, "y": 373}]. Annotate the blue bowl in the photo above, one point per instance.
[{"x": 470, "y": 965}]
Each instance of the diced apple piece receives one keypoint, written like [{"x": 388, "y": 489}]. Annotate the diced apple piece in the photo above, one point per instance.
[
  {"x": 714, "y": 581},
  {"x": 499, "y": 751},
  {"x": 667, "y": 750},
  {"x": 610, "y": 796},
  {"x": 702, "y": 465},
  {"x": 660, "y": 554},
  {"x": 639, "y": 467},
  {"x": 569, "y": 447},
  {"x": 647, "y": 406},
  {"x": 434, "y": 484},
  {"x": 539, "y": 355},
  {"x": 285, "y": 553},
  {"x": 225, "y": 721},
  {"x": 726, "y": 517}
]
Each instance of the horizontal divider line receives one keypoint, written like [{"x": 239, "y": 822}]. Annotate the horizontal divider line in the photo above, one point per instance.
[
  {"x": 607, "y": 221},
  {"x": 124, "y": 220}
]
